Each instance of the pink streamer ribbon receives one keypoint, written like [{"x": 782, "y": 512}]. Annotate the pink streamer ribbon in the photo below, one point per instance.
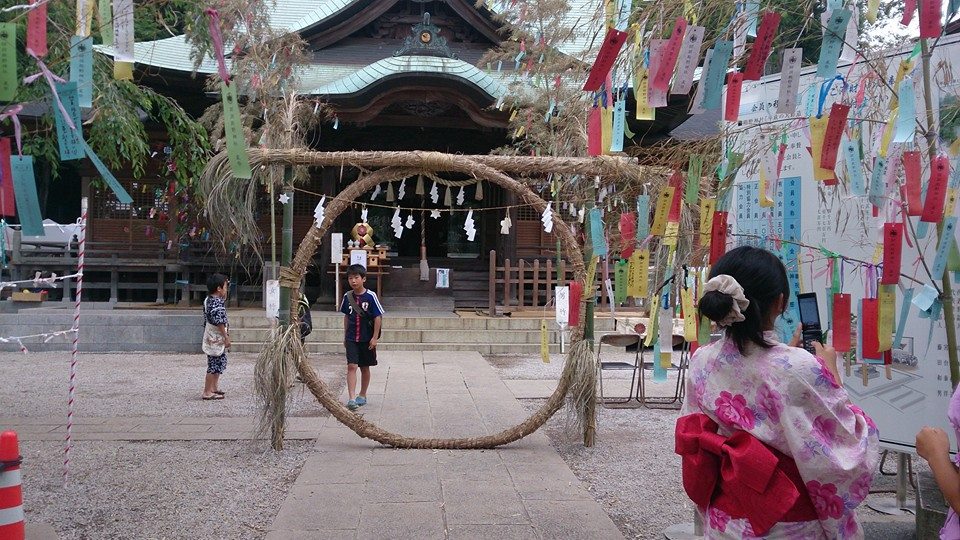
[
  {"x": 11, "y": 113},
  {"x": 217, "y": 38},
  {"x": 51, "y": 78}
]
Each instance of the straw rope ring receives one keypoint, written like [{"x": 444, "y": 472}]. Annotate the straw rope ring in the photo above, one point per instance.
[{"x": 311, "y": 242}]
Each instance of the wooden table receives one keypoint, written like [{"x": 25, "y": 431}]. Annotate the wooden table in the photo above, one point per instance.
[{"x": 377, "y": 271}]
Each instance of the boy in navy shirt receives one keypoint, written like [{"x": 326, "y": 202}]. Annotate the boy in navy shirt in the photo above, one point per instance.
[{"x": 363, "y": 316}]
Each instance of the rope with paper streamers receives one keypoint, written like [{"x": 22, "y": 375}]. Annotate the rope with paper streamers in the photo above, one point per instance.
[{"x": 75, "y": 350}]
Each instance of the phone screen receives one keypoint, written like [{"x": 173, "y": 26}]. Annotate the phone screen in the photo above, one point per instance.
[{"x": 808, "y": 310}]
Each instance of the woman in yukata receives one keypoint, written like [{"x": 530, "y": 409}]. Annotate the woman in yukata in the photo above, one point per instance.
[
  {"x": 934, "y": 446},
  {"x": 770, "y": 443}
]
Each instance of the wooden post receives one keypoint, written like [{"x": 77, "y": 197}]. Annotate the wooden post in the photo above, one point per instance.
[
  {"x": 590, "y": 430},
  {"x": 549, "y": 285},
  {"x": 535, "y": 297},
  {"x": 521, "y": 283},
  {"x": 492, "y": 292},
  {"x": 562, "y": 274},
  {"x": 160, "y": 286},
  {"x": 507, "y": 284}
]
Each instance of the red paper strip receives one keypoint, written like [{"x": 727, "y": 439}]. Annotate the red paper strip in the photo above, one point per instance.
[
  {"x": 612, "y": 44},
  {"x": 8, "y": 206},
  {"x": 693, "y": 347},
  {"x": 892, "y": 250},
  {"x": 628, "y": 233},
  {"x": 912, "y": 191},
  {"x": 832, "y": 135},
  {"x": 37, "y": 29},
  {"x": 761, "y": 46},
  {"x": 718, "y": 236},
  {"x": 930, "y": 11},
  {"x": 734, "y": 87},
  {"x": 669, "y": 55},
  {"x": 594, "y": 132},
  {"x": 576, "y": 293},
  {"x": 676, "y": 181},
  {"x": 869, "y": 336},
  {"x": 841, "y": 322},
  {"x": 936, "y": 190},
  {"x": 908, "y": 8}
]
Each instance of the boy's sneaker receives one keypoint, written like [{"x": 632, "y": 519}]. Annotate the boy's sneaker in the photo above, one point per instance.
[
  {"x": 352, "y": 405},
  {"x": 361, "y": 401}
]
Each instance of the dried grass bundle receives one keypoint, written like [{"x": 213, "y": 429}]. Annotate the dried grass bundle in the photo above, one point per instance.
[{"x": 272, "y": 374}]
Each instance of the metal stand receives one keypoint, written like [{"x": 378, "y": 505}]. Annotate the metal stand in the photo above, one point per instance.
[
  {"x": 685, "y": 531},
  {"x": 896, "y": 506}
]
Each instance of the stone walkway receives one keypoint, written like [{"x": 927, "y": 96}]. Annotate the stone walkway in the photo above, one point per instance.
[
  {"x": 355, "y": 488},
  {"x": 152, "y": 428}
]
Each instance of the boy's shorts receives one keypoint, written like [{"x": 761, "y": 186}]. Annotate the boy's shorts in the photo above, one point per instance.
[{"x": 359, "y": 353}]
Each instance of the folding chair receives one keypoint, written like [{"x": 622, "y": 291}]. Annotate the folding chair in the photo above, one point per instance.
[
  {"x": 665, "y": 402},
  {"x": 619, "y": 341}
]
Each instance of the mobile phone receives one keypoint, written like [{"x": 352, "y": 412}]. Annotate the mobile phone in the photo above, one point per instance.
[{"x": 809, "y": 321}]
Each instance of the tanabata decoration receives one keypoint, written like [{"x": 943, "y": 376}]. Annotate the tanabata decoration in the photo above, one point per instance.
[
  {"x": 469, "y": 226},
  {"x": 396, "y": 223},
  {"x": 612, "y": 43},
  {"x": 505, "y": 224},
  {"x": 547, "y": 218},
  {"x": 318, "y": 213}
]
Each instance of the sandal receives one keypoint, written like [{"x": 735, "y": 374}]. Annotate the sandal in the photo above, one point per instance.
[
  {"x": 212, "y": 397},
  {"x": 219, "y": 392}
]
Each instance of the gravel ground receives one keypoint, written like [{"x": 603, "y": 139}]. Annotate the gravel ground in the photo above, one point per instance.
[
  {"x": 632, "y": 470},
  {"x": 156, "y": 489}
]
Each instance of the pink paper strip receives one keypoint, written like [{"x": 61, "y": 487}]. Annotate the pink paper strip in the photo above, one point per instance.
[
  {"x": 669, "y": 55},
  {"x": 216, "y": 37}
]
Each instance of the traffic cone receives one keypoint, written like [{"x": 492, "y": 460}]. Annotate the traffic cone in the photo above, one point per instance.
[{"x": 11, "y": 498}]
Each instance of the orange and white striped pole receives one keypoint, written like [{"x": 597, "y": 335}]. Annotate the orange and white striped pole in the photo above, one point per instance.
[{"x": 11, "y": 497}]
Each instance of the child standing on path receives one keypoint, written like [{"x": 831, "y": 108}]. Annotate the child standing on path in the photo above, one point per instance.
[
  {"x": 216, "y": 338},
  {"x": 362, "y": 317}
]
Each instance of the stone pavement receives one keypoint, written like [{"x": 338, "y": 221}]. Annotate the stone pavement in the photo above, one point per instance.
[
  {"x": 355, "y": 488},
  {"x": 152, "y": 428}
]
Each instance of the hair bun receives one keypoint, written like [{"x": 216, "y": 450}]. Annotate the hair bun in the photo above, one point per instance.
[{"x": 715, "y": 305}]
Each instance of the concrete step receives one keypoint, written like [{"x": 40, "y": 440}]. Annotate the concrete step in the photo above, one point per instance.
[
  {"x": 482, "y": 348},
  {"x": 335, "y": 320},
  {"x": 335, "y": 335}
]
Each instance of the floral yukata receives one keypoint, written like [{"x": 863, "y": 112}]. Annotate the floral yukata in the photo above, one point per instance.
[
  {"x": 951, "y": 527},
  {"x": 787, "y": 399}
]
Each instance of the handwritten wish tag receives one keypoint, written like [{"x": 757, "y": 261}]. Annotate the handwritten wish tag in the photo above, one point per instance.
[
  {"x": 734, "y": 86},
  {"x": 911, "y": 172},
  {"x": 676, "y": 204},
  {"x": 907, "y": 112},
  {"x": 818, "y": 130},
  {"x": 832, "y": 44},
  {"x": 37, "y": 29},
  {"x": 887, "y": 308},
  {"x": 594, "y": 132},
  {"x": 945, "y": 244},
  {"x": 597, "y": 236},
  {"x": 576, "y": 293},
  {"x": 7, "y": 194},
  {"x": 233, "y": 127},
  {"x": 655, "y": 96},
  {"x": 642, "y": 91},
  {"x": 694, "y": 173},
  {"x": 81, "y": 68},
  {"x": 123, "y": 71},
  {"x": 936, "y": 190},
  {"x": 869, "y": 330},
  {"x": 85, "y": 17},
  {"x": 640, "y": 273},
  {"x": 878, "y": 187},
  {"x": 25, "y": 186},
  {"x": 909, "y": 7},
  {"x": 718, "y": 237},
  {"x": 852, "y": 38},
  {"x": 612, "y": 43},
  {"x": 854, "y": 167},
  {"x": 892, "y": 250},
  {"x": 123, "y": 40},
  {"x": 707, "y": 207},
  {"x": 8, "y": 61},
  {"x": 841, "y": 322},
  {"x": 628, "y": 231},
  {"x": 789, "y": 81},
  {"x": 643, "y": 217},
  {"x": 715, "y": 74},
  {"x": 621, "y": 270},
  {"x": 619, "y": 122},
  {"x": 105, "y": 11},
  {"x": 669, "y": 55},
  {"x": 689, "y": 314},
  {"x": 834, "y": 132},
  {"x": 689, "y": 58},
  {"x": 606, "y": 129},
  {"x": 671, "y": 234},
  {"x": 69, "y": 139},
  {"x": 930, "y": 12},
  {"x": 107, "y": 176},
  {"x": 664, "y": 202},
  {"x": 761, "y": 46}
]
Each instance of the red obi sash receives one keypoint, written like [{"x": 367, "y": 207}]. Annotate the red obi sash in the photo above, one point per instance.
[{"x": 740, "y": 475}]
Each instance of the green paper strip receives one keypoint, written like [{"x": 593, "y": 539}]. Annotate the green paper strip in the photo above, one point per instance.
[
  {"x": 25, "y": 189},
  {"x": 107, "y": 176},
  {"x": 69, "y": 139},
  {"x": 106, "y": 22},
  {"x": 236, "y": 143},
  {"x": 953, "y": 260},
  {"x": 620, "y": 281},
  {"x": 694, "y": 172},
  {"x": 81, "y": 68},
  {"x": 8, "y": 61}
]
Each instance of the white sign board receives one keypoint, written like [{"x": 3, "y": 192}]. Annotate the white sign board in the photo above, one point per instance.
[
  {"x": 272, "y": 299},
  {"x": 562, "y": 302},
  {"x": 443, "y": 278},
  {"x": 336, "y": 248},
  {"x": 358, "y": 256},
  {"x": 805, "y": 211}
]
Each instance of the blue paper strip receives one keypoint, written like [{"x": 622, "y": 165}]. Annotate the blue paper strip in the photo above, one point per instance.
[
  {"x": 81, "y": 68},
  {"x": 70, "y": 140},
  {"x": 877, "y": 186},
  {"x": 904, "y": 312},
  {"x": 643, "y": 217},
  {"x": 619, "y": 119},
  {"x": 854, "y": 163},
  {"x": 107, "y": 176},
  {"x": 597, "y": 236},
  {"x": 716, "y": 74},
  {"x": 832, "y": 43},
  {"x": 907, "y": 115},
  {"x": 955, "y": 175},
  {"x": 25, "y": 189},
  {"x": 943, "y": 246}
]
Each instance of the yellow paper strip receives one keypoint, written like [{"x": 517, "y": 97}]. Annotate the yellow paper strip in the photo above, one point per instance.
[
  {"x": 872, "y": 7},
  {"x": 707, "y": 208},
  {"x": 888, "y": 133},
  {"x": 765, "y": 201},
  {"x": 689, "y": 314},
  {"x": 818, "y": 127},
  {"x": 888, "y": 305},
  {"x": 544, "y": 346},
  {"x": 665, "y": 359},
  {"x": 652, "y": 331},
  {"x": 664, "y": 200},
  {"x": 905, "y": 67},
  {"x": 123, "y": 71},
  {"x": 84, "y": 17},
  {"x": 606, "y": 129},
  {"x": 671, "y": 234}
]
